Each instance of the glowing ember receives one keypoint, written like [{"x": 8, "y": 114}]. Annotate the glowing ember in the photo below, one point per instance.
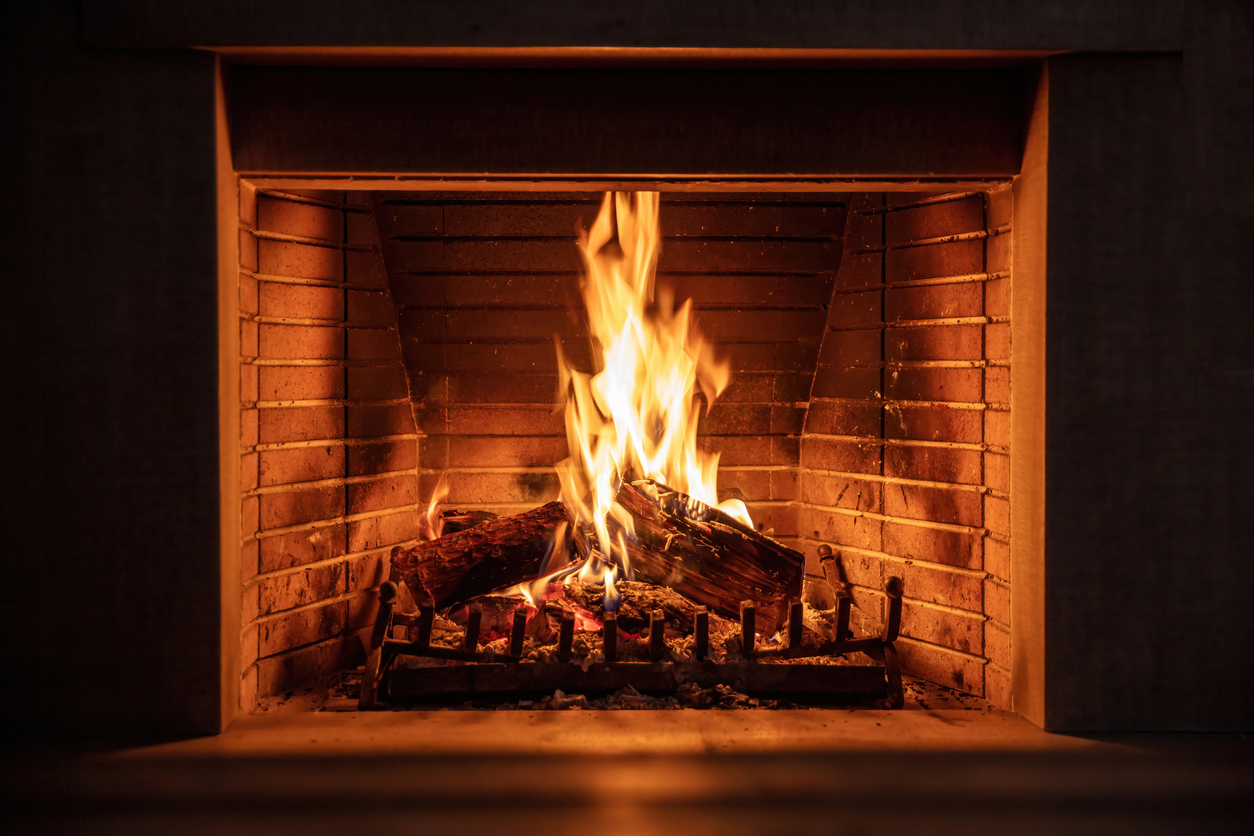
[{"x": 638, "y": 411}]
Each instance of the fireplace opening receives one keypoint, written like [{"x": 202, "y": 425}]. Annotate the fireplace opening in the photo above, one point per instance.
[{"x": 393, "y": 341}]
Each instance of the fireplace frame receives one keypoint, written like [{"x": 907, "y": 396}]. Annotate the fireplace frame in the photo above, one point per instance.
[{"x": 323, "y": 94}]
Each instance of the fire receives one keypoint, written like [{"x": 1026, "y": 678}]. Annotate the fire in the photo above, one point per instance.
[
  {"x": 638, "y": 411},
  {"x": 431, "y": 524},
  {"x": 534, "y": 591},
  {"x": 612, "y": 596}
]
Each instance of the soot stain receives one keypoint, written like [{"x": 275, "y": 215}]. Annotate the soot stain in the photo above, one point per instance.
[{"x": 535, "y": 485}]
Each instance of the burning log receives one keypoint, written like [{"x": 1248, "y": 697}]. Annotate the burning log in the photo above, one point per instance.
[
  {"x": 706, "y": 555},
  {"x": 498, "y": 553}
]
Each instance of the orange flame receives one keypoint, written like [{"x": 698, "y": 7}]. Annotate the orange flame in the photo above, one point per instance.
[
  {"x": 431, "y": 525},
  {"x": 639, "y": 410},
  {"x": 612, "y": 596},
  {"x": 533, "y": 591}
]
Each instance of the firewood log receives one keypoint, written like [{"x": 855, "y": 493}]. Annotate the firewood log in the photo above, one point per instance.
[
  {"x": 706, "y": 555},
  {"x": 495, "y": 554}
]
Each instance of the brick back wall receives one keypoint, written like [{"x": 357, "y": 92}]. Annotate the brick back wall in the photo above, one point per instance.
[
  {"x": 868, "y": 407},
  {"x": 483, "y": 282},
  {"x": 329, "y": 447},
  {"x": 905, "y": 454}
]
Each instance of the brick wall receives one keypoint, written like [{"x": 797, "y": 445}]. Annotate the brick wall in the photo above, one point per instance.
[
  {"x": 329, "y": 447},
  {"x": 482, "y": 283},
  {"x": 868, "y": 406},
  {"x": 905, "y": 454}
]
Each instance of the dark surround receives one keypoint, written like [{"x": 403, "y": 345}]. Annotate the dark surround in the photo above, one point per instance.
[
  {"x": 1098, "y": 25},
  {"x": 717, "y": 122},
  {"x": 1133, "y": 527},
  {"x": 110, "y": 235},
  {"x": 112, "y": 562}
]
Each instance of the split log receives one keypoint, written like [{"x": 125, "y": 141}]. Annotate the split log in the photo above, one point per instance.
[
  {"x": 498, "y": 553},
  {"x": 706, "y": 555}
]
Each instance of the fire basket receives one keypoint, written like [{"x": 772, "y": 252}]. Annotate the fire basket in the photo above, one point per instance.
[{"x": 464, "y": 668}]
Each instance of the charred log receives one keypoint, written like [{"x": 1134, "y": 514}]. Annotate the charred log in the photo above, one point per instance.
[
  {"x": 498, "y": 553},
  {"x": 707, "y": 556}
]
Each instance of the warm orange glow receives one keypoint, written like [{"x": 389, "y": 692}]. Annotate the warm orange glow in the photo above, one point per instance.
[
  {"x": 431, "y": 525},
  {"x": 535, "y": 591},
  {"x": 612, "y": 596},
  {"x": 638, "y": 411}
]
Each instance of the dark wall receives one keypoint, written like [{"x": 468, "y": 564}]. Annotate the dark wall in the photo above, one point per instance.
[
  {"x": 1148, "y": 384},
  {"x": 110, "y": 611},
  {"x": 639, "y": 122},
  {"x": 862, "y": 24}
]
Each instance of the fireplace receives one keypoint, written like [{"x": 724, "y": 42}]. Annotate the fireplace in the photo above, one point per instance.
[
  {"x": 865, "y": 309},
  {"x": 1067, "y": 154}
]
